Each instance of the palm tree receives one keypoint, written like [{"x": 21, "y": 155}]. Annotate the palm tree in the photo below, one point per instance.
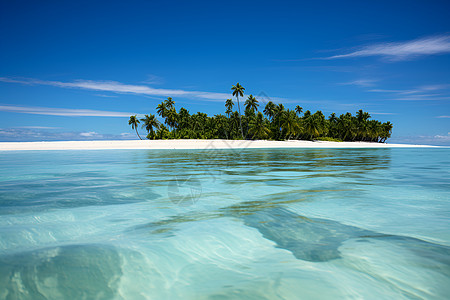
[
  {"x": 312, "y": 126},
  {"x": 220, "y": 127},
  {"x": 322, "y": 122},
  {"x": 171, "y": 118},
  {"x": 258, "y": 127},
  {"x": 162, "y": 133},
  {"x": 238, "y": 90},
  {"x": 277, "y": 117},
  {"x": 362, "y": 123},
  {"x": 269, "y": 110},
  {"x": 332, "y": 125},
  {"x": 161, "y": 109},
  {"x": 134, "y": 124},
  {"x": 234, "y": 125},
  {"x": 279, "y": 109},
  {"x": 386, "y": 131},
  {"x": 290, "y": 123},
  {"x": 306, "y": 114},
  {"x": 169, "y": 103},
  {"x": 150, "y": 122},
  {"x": 251, "y": 104},
  {"x": 183, "y": 119},
  {"x": 229, "y": 105},
  {"x": 298, "y": 109},
  {"x": 346, "y": 127},
  {"x": 362, "y": 116},
  {"x": 373, "y": 130}
]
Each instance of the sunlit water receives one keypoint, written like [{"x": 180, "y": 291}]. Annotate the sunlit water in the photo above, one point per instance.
[{"x": 229, "y": 224}]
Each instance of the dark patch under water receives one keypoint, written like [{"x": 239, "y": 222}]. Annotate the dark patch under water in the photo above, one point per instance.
[
  {"x": 66, "y": 272},
  {"x": 309, "y": 239},
  {"x": 318, "y": 240}
]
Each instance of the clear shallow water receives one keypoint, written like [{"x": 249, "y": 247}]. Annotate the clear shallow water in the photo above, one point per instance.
[{"x": 231, "y": 224}]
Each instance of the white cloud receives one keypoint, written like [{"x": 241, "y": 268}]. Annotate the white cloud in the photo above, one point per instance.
[
  {"x": 361, "y": 82},
  {"x": 438, "y": 140},
  {"x": 403, "y": 50},
  {"x": 30, "y": 135},
  {"x": 421, "y": 89},
  {"x": 51, "y": 111},
  {"x": 127, "y": 135},
  {"x": 37, "y": 127},
  {"x": 421, "y": 93},
  {"x": 435, "y": 87},
  {"x": 153, "y": 79},
  {"x": 382, "y": 113},
  {"x": 426, "y": 97},
  {"x": 443, "y": 117},
  {"x": 106, "y": 96},
  {"x": 118, "y": 87},
  {"x": 89, "y": 134},
  {"x": 442, "y": 137},
  {"x": 385, "y": 91}
]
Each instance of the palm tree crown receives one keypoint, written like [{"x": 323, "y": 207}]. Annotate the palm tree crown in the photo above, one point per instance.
[
  {"x": 269, "y": 110},
  {"x": 251, "y": 104},
  {"x": 229, "y": 105},
  {"x": 134, "y": 124},
  {"x": 150, "y": 122},
  {"x": 258, "y": 127},
  {"x": 161, "y": 109},
  {"x": 290, "y": 124},
  {"x": 238, "y": 90},
  {"x": 169, "y": 103}
]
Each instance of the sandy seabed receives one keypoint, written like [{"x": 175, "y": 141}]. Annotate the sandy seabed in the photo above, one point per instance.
[{"x": 189, "y": 144}]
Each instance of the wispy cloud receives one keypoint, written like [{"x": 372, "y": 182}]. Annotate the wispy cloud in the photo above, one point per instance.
[
  {"x": 51, "y": 111},
  {"x": 429, "y": 97},
  {"x": 385, "y": 91},
  {"x": 89, "y": 134},
  {"x": 382, "y": 113},
  {"x": 37, "y": 134},
  {"x": 419, "y": 90},
  {"x": 118, "y": 87},
  {"x": 37, "y": 127},
  {"x": 153, "y": 79},
  {"x": 438, "y": 139},
  {"x": 421, "y": 93},
  {"x": 361, "y": 82},
  {"x": 443, "y": 117},
  {"x": 106, "y": 96},
  {"x": 121, "y": 88},
  {"x": 403, "y": 50}
]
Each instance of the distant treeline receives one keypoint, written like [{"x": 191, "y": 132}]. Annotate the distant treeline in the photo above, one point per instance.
[{"x": 274, "y": 123}]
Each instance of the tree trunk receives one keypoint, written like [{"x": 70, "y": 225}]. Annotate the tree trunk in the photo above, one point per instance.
[
  {"x": 240, "y": 120},
  {"x": 137, "y": 133},
  {"x": 152, "y": 133}
]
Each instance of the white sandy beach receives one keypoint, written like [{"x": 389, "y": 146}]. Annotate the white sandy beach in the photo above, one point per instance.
[{"x": 188, "y": 144}]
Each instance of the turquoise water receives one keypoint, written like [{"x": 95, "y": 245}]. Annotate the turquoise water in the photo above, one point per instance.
[{"x": 228, "y": 224}]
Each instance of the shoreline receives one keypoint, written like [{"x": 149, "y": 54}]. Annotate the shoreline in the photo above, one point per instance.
[{"x": 191, "y": 144}]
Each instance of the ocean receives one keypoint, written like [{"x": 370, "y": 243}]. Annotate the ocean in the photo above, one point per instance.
[{"x": 225, "y": 224}]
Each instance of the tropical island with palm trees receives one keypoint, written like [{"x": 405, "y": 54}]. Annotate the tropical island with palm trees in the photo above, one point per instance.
[{"x": 273, "y": 123}]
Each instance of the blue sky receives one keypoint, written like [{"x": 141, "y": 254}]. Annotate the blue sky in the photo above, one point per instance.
[{"x": 78, "y": 69}]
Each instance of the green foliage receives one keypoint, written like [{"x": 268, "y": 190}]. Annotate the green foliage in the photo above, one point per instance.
[
  {"x": 134, "y": 121},
  {"x": 276, "y": 123},
  {"x": 328, "y": 139},
  {"x": 238, "y": 90}
]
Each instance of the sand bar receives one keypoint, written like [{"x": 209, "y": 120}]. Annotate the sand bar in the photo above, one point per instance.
[{"x": 189, "y": 144}]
